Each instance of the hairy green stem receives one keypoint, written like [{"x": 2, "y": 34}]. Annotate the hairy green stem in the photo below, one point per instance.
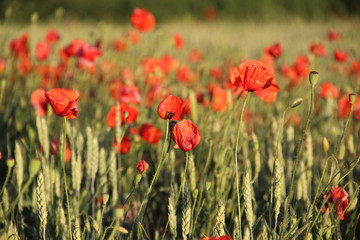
[{"x": 237, "y": 177}]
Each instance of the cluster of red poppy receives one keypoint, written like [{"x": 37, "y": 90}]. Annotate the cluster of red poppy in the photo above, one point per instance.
[{"x": 336, "y": 200}]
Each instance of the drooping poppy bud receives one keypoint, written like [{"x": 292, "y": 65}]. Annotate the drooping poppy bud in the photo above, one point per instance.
[
  {"x": 186, "y": 135},
  {"x": 63, "y": 102}
]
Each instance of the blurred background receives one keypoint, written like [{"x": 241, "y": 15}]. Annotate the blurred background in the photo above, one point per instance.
[{"x": 120, "y": 10}]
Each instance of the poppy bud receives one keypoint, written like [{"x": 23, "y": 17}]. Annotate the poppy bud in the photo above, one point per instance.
[
  {"x": 35, "y": 165},
  {"x": 105, "y": 197},
  {"x": 142, "y": 166},
  {"x": 325, "y": 145},
  {"x": 296, "y": 102},
  {"x": 119, "y": 211},
  {"x": 313, "y": 78},
  {"x": 137, "y": 178},
  {"x": 10, "y": 162},
  {"x": 352, "y": 98}
]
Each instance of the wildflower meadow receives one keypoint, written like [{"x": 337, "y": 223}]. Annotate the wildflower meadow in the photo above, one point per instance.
[{"x": 192, "y": 129}]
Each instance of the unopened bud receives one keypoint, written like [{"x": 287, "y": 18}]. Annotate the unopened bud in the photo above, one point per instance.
[
  {"x": 119, "y": 212},
  {"x": 342, "y": 151},
  {"x": 207, "y": 185},
  {"x": 352, "y": 98},
  {"x": 296, "y": 102},
  {"x": 10, "y": 162},
  {"x": 105, "y": 198},
  {"x": 35, "y": 165},
  {"x": 352, "y": 204},
  {"x": 195, "y": 193},
  {"x": 138, "y": 178},
  {"x": 325, "y": 145},
  {"x": 313, "y": 78}
]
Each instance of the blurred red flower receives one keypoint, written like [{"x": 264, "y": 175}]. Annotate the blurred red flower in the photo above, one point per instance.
[
  {"x": 24, "y": 65},
  {"x": 55, "y": 148},
  {"x": 133, "y": 35},
  {"x": 217, "y": 238},
  {"x": 172, "y": 108},
  {"x": 142, "y": 166},
  {"x": 216, "y": 73},
  {"x": 355, "y": 67},
  {"x": 39, "y": 102},
  {"x": 341, "y": 56},
  {"x": 149, "y": 133},
  {"x": 186, "y": 135},
  {"x": 19, "y": 46},
  {"x": 195, "y": 56},
  {"x": 251, "y": 76},
  {"x": 120, "y": 45},
  {"x": 185, "y": 74},
  {"x": 333, "y": 35},
  {"x": 124, "y": 146},
  {"x": 218, "y": 98},
  {"x": 210, "y": 13},
  {"x": 318, "y": 49},
  {"x": 72, "y": 49},
  {"x": 52, "y": 36},
  {"x": 88, "y": 52},
  {"x": 143, "y": 20},
  {"x": 63, "y": 102},
  {"x": 178, "y": 41},
  {"x": 275, "y": 50},
  {"x": 128, "y": 94},
  {"x": 337, "y": 199},
  {"x": 327, "y": 88},
  {"x": 131, "y": 112},
  {"x": 43, "y": 50},
  {"x": 2, "y": 65}
]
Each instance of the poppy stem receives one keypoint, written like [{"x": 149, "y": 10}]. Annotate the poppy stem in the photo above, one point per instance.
[
  {"x": 155, "y": 178},
  {"x": 64, "y": 173},
  {"x": 237, "y": 177},
  {"x": 300, "y": 145},
  {"x": 6, "y": 179}
]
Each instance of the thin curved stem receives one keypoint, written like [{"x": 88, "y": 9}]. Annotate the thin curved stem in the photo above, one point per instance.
[
  {"x": 6, "y": 180},
  {"x": 237, "y": 177}
]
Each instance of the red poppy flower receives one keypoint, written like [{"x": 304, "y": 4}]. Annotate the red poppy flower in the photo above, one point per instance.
[
  {"x": 328, "y": 88},
  {"x": 344, "y": 107},
  {"x": 302, "y": 66},
  {"x": 333, "y": 35},
  {"x": 142, "y": 166},
  {"x": 218, "y": 98},
  {"x": 124, "y": 146},
  {"x": 72, "y": 49},
  {"x": 217, "y": 238},
  {"x": 88, "y": 52},
  {"x": 55, "y": 147},
  {"x": 24, "y": 65},
  {"x": 43, "y": 50},
  {"x": 185, "y": 74},
  {"x": 337, "y": 199},
  {"x": 268, "y": 94},
  {"x": 172, "y": 108},
  {"x": 63, "y": 102},
  {"x": 2, "y": 65},
  {"x": 210, "y": 14},
  {"x": 39, "y": 102},
  {"x": 142, "y": 19},
  {"x": 186, "y": 135},
  {"x": 216, "y": 73},
  {"x": 178, "y": 41},
  {"x": 149, "y": 133},
  {"x": 355, "y": 67},
  {"x": 120, "y": 45},
  {"x": 251, "y": 76},
  {"x": 341, "y": 56},
  {"x": 52, "y": 36},
  {"x": 195, "y": 56},
  {"x": 318, "y": 49},
  {"x": 20, "y": 46},
  {"x": 132, "y": 114},
  {"x": 129, "y": 94},
  {"x": 274, "y": 50},
  {"x": 133, "y": 36}
]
